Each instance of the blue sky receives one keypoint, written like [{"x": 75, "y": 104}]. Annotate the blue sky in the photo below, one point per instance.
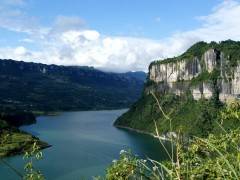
[
  {"x": 111, "y": 35},
  {"x": 146, "y": 18}
]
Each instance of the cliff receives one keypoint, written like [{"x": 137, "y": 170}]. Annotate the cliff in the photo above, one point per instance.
[
  {"x": 190, "y": 88},
  {"x": 193, "y": 73}
]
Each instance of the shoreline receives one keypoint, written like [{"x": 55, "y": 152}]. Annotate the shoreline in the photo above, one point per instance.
[
  {"x": 24, "y": 143},
  {"x": 56, "y": 113},
  {"x": 142, "y": 132}
]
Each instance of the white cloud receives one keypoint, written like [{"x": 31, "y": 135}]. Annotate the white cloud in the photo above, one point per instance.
[
  {"x": 69, "y": 42},
  {"x": 20, "y": 51},
  {"x": 222, "y": 23}
]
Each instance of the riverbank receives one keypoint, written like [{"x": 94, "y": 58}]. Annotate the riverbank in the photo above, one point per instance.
[
  {"x": 14, "y": 142},
  {"x": 45, "y": 113},
  {"x": 143, "y": 132}
]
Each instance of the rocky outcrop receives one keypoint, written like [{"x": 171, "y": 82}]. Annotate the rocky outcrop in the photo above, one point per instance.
[{"x": 193, "y": 73}]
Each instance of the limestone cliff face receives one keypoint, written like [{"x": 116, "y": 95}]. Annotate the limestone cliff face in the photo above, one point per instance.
[{"x": 181, "y": 75}]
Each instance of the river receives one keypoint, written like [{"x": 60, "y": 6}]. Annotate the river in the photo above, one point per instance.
[{"x": 83, "y": 143}]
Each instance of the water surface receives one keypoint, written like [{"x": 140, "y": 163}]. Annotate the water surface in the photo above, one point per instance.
[{"x": 83, "y": 144}]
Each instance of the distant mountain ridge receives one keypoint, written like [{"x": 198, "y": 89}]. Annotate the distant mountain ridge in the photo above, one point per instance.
[
  {"x": 137, "y": 74},
  {"x": 35, "y": 86}
]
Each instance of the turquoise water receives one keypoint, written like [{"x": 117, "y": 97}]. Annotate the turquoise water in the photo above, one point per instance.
[{"x": 83, "y": 144}]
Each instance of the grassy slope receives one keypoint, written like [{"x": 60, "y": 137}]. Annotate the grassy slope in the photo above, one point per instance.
[{"x": 181, "y": 110}]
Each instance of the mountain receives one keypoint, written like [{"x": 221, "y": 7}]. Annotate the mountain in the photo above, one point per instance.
[
  {"x": 140, "y": 75},
  {"x": 191, "y": 89},
  {"x": 40, "y": 87}
]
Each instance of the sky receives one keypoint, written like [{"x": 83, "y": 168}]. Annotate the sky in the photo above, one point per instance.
[{"x": 111, "y": 35}]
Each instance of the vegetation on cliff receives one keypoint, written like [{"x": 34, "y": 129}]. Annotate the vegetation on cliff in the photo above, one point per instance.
[
  {"x": 229, "y": 48},
  {"x": 191, "y": 117}
]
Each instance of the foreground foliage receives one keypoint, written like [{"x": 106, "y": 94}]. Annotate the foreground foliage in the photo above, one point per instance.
[
  {"x": 31, "y": 172},
  {"x": 130, "y": 167},
  {"x": 216, "y": 156}
]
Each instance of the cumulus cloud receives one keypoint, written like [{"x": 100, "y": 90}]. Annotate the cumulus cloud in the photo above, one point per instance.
[
  {"x": 19, "y": 53},
  {"x": 69, "y": 42}
]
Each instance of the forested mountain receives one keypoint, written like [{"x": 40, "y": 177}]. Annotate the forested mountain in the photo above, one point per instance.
[{"x": 33, "y": 86}]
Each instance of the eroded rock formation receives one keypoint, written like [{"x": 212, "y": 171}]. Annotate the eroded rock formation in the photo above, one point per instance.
[{"x": 194, "y": 74}]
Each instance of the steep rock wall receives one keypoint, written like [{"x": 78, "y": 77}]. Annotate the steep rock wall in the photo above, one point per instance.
[{"x": 178, "y": 76}]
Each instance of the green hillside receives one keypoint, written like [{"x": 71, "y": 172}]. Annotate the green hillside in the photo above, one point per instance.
[{"x": 39, "y": 87}]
